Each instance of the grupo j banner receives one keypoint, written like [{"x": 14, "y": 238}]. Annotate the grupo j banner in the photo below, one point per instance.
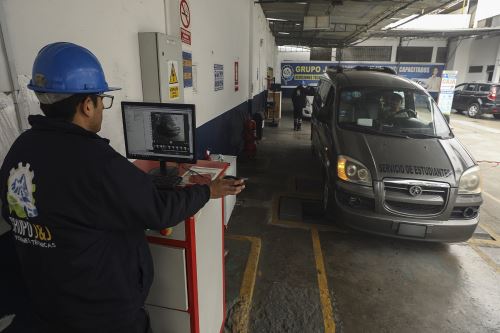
[{"x": 293, "y": 73}]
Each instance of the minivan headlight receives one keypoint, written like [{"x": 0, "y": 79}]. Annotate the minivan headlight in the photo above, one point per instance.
[
  {"x": 350, "y": 170},
  {"x": 470, "y": 182}
]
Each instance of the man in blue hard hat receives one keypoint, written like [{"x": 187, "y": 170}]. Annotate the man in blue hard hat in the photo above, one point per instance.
[{"x": 78, "y": 209}]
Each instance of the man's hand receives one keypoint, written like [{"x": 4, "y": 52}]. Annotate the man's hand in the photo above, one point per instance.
[{"x": 222, "y": 187}]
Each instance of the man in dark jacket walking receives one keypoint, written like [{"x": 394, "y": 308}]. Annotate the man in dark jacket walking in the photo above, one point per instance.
[
  {"x": 299, "y": 102},
  {"x": 78, "y": 209}
]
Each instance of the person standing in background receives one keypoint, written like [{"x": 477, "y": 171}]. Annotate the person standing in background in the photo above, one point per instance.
[{"x": 299, "y": 102}]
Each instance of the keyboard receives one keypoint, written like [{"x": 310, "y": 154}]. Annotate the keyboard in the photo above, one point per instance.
[{"x": 166, "y": 182}]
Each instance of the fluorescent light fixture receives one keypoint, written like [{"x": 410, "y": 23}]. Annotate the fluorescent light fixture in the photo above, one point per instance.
[
  {"x": 297, "y": 23},
  {"x": 275, "y": 19},
  {"x": 283, "y": 33},
  {"x": 400, "y": 22},
  {"x": 301, "y": 3}
]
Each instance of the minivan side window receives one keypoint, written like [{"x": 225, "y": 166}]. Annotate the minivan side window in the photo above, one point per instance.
[
  {"x": 460, "y": 87},
  {"x": 317, "y": 96},
  {"x": 322, "y": 98},
  {"x": 330, "y": 106}
]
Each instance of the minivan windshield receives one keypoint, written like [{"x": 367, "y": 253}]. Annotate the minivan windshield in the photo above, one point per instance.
[{"x": 391, "y": 111}]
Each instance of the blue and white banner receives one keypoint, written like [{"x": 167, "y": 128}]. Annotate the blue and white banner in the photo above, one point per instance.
[
  {"x": 427, "y": 75},
  {"x": 447, "y": 91}
]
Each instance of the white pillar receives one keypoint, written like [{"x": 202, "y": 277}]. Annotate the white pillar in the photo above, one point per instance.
[{"x": 496, "y": 71}]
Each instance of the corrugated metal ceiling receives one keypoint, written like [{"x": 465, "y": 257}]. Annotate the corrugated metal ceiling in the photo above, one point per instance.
[{"x": 350, "y": 20}]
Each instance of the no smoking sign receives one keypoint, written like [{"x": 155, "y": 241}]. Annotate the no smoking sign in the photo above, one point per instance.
[{"x": 185, "y": 13}]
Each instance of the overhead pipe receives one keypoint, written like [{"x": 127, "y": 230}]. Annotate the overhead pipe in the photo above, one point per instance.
[{"x": 11, "y": 68}]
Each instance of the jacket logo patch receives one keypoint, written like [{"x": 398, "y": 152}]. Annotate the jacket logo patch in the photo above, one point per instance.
[{"x": 20, "y": 189}]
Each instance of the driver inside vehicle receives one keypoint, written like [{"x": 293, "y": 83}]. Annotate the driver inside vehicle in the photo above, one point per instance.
[{"x": 395, "y": 108}]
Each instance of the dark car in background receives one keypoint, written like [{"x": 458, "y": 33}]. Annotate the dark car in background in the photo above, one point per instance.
[
  {"x": 390, "y": 163},
  {"x": 477, "y": 99}
]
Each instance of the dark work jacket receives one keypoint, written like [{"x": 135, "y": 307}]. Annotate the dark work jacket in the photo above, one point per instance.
[
  {"x": 299, "y": 99},
  {"x": 78, "y": 211}
]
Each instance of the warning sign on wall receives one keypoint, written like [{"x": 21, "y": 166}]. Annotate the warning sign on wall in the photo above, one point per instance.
[
  {"x": 185, "y": 14},
  {"x": 173, "y": 80},
  {"x": 173, "y": 74}
]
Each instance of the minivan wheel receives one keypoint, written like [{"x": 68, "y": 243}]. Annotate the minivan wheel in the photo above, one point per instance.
[
  {"x": 473, "y": 110},
  {"x": 497, "y": 116}
]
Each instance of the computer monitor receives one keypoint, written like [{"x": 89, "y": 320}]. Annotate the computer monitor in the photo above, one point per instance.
[{"x": 159, "y": 131}]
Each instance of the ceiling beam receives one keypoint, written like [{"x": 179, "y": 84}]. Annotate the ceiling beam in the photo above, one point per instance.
[
  {"x": 349, "y": 40},
  {"x": 332, "y": 2},
  {"x": 312, "y": 42}
]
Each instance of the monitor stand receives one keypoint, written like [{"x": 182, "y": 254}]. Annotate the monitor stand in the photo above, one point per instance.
[{"x": 163, "y": 170}]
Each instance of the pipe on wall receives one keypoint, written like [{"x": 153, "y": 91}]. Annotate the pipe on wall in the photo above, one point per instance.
[{"x": 11, "y": 68}]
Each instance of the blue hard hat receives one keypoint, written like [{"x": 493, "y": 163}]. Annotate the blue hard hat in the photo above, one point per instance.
[{"x": 67, "y": 68}]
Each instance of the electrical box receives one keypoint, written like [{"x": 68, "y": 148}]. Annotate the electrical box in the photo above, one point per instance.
[{"x": 161, "y": 68}]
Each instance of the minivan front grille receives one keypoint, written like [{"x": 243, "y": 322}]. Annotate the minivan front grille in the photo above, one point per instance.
[{"x": 415, "y": 197}]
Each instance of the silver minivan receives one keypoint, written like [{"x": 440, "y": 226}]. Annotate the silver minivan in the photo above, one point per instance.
[{"x": 391, "y": 164}]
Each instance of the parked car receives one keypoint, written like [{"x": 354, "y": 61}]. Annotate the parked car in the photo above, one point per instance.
[
  {"x": 391, "y": 164},
  {"x": 477, "y": 99}
]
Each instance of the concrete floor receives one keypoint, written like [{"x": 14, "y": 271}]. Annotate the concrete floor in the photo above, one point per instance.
[{"x": 370, "y": 283}]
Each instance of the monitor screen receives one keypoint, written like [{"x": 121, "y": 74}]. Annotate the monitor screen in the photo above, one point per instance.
[{"x": 159, "y": 131}]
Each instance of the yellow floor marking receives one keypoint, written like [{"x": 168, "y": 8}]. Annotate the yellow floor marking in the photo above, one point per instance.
[
  {"x": 324, "y": 292},
  {"x": 488, "y": 229},
  {"x": 484, "y": 242},
  {"x": 486, "y": 258},
  {"x": 242, "y": 312},
  {"x": 491, "y": 197}
]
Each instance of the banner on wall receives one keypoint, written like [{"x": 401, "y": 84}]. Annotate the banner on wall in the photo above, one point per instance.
[
  {"x": 185, "y": 14},
  {"x": 448, "y": 82},
  {"x": 187, "y": 65},
  {"x": 173, "y": 80},
  {"x": 218, "y": 77},
  {"x": 293, "y": 73},
  {"x": 236, "y": 77}
]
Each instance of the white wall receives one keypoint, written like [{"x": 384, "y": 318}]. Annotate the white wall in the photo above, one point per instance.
[
  {"x": 437, "y": 22},
  {"x": 220, "y": 35},
  {"x": 486, "y": 9},
  {"x": 218, "y": 41},
  {"x": 109, "y": 29},
  {"x": 475, "y": 52},
  {"x": 394, "y": 42},
  {"x": 264, "y": 52}
]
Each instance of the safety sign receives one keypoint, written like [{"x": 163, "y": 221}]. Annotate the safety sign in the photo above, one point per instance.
[
  {"x": 187, "y": 65},
  {"x": 173, "y": 81},
  {"x": 236, "y": 77},
  {"x": 185, "y": 14},
  {"x": 218, "y": 77}
]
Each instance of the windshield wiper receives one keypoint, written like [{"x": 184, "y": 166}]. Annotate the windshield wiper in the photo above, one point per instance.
[
  {"x": 423, "y": 136},
  {"x": 369, "y": 130}
]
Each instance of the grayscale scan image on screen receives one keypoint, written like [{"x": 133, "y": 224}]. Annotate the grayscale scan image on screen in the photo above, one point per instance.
[{"x": 159, "y": 131}]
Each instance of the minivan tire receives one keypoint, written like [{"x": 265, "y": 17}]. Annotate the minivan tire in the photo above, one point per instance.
[
  {"x": 497, "y": 116},
  {"x": 473, "y": 110}
]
